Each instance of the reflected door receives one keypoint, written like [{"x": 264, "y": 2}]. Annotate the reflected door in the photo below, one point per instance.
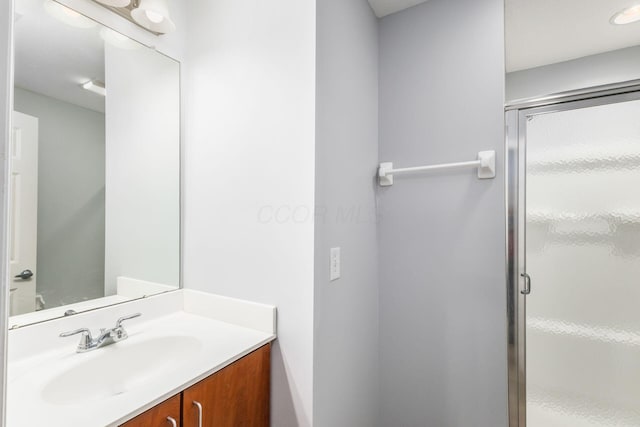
[
  {"x": 24, "y": 214},
  {"x": 582, "y": 229}
]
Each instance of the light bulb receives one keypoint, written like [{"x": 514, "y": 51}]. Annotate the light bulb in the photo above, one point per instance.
[{"x": 154, "y": 16}]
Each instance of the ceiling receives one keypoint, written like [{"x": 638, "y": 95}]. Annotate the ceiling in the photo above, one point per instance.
[
  {"x": 542, "y": 32},
  {"x": 54, "y": 59},
  {"x": 387, "y": 7}
]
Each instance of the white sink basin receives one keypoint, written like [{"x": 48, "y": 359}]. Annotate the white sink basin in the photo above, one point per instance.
[
  {"x": 119, "y": 368},
  {"x": 168, "y": 350}
]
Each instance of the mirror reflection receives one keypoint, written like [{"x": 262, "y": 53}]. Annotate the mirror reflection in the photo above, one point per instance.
[{"x": 95, "y": 166}]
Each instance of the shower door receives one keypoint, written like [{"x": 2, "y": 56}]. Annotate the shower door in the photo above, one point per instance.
[{"x": 574, "y": 263}]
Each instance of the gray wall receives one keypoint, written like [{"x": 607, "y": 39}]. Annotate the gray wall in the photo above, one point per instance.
[
  {"x": 71, "y": 159},
  {"x": 611, "y": 67},
  {"x": 346, "y": 310},
  {"x": 442, "y": 236},
  {"x": 6, "y": 20}
]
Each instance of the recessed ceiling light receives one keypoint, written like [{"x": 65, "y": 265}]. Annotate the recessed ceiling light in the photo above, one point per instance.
[
  {"x": 96, "y": 87},
  {"x": 627, "y": 16}
]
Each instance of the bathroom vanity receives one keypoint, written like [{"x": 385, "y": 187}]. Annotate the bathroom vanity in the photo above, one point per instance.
[
  {"x": 101, "y": 331},
  {"x": 192, "y": 358}
]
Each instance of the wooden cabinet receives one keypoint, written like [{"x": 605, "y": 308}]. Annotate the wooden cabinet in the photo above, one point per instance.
[
  {"x": 162, "y": 415},
  {"x": 236, "y": 396}
]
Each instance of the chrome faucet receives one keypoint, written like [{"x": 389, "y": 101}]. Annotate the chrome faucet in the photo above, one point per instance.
[{"x": 107, "y": 336}]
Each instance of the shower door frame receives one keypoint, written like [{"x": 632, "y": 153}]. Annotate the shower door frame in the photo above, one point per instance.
[{"x": 516, "y": 116}]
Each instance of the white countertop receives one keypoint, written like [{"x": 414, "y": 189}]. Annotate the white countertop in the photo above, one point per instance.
[{"x": 226, "y": 329}]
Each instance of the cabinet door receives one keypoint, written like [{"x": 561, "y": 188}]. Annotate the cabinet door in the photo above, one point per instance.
[
  {"x": 236, "y": 396},
  {"x": 163, "y": 415}
]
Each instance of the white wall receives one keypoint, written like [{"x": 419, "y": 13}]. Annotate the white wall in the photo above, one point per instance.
[
  {"x": 611, "y": 67},
  {"x": 249, "y": 173},
  {"x": 71, "y": 159},
  {"x": 346, "y": 311},
  {"x": 142, "y": 197},
  {"x": 442, "y": 236}
]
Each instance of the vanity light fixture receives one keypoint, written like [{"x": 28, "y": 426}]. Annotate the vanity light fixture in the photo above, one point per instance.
[
  {"x": 68, "y": 16},
  {"x": 95, "y": 86},
  {"x": 154, "y": 16},
  {"x": 115, "y": 3},
  {"x": 626, "y": 16}
]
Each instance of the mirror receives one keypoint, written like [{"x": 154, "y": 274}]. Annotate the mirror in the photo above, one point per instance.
[
  {"x": 95, "y": 166},
  {"x": 554, "y": 47}
]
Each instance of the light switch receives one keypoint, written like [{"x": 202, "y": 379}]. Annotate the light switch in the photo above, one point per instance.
[{"x": 335, "y": 264}]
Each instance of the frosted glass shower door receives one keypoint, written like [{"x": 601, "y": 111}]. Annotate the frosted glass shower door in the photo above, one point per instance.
[{"x": 582, "y": 222}]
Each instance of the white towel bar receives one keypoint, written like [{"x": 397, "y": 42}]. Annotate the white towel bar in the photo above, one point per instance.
[{"x": 486, "y": 164}]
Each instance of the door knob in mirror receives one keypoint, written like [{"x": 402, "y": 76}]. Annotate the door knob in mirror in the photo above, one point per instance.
[{"x": 25, "y": 275}]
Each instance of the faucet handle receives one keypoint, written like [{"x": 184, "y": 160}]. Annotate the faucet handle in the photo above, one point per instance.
[
  {"x": 85, "y": 339},
  {"x": 118, "y": 333},
  {"x": 76, "y": 332},
  {"x": 129, "y": 317}
]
